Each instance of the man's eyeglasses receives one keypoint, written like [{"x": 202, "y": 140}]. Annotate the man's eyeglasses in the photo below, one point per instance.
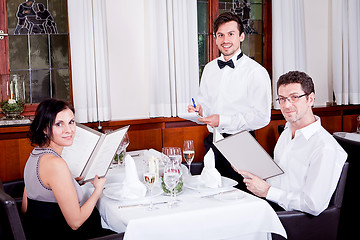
[{"x": 291, "y": 99}]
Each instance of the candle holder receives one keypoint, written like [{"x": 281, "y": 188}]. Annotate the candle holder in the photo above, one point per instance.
[{"x": 12, "y": 109}]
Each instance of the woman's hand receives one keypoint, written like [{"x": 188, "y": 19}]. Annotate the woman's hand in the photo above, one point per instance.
[{"x": 98, "y": 182}]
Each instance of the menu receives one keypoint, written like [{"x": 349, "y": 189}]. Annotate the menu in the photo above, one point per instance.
[
  {"x": 92, "y": 152},
  {"x": 245, "y": 153}
]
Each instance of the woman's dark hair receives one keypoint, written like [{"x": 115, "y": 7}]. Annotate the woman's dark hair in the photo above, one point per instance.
[
  {"x": 305, "y": 81},
  {"x": 227, "y": 17},
  {"x": 45, "y": 116}
]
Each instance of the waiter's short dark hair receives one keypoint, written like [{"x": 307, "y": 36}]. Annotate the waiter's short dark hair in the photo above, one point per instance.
[
  {"x": 305, "y": 81},
  {"x": 227, "y": 17},
  {"x": 45, "y": 116}
]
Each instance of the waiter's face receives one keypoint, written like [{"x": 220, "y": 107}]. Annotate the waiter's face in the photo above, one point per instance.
[{"x": 228, "y": 39}]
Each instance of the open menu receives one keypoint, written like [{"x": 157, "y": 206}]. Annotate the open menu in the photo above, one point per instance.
[
  {"x": 245, "y": 153},
  {"x": 92, "y": 152}
]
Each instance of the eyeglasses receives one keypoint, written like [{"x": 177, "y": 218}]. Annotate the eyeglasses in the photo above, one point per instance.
[{"x": 292, "y": 98}]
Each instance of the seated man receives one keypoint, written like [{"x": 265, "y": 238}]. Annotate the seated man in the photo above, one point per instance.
[{"x": 310, "y": 157}]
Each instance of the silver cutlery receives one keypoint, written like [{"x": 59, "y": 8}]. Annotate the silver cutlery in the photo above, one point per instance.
[
  {"x": 141, "y": 204},
  {"x": 219, "y": 193}
]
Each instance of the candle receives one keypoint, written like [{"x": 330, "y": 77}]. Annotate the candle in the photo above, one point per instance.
[
  {"x": 23, "y": 83},
  {"x": 16, "y": 90},
  {"x": 11, "y": 89}
]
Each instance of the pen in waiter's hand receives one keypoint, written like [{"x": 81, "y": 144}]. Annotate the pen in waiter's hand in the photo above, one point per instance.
[{"x": 193, "y": 101}]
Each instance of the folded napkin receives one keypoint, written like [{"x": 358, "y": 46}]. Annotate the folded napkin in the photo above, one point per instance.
[
  {"x": 132, "y": 187},
  {"x": 210, "y": 175}
]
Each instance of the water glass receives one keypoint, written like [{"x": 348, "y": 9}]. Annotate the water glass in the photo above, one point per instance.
[{"x": 172, "y": 175}]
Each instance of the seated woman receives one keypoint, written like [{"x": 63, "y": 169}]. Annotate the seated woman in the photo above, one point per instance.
[{"x": 53, "y": 202}]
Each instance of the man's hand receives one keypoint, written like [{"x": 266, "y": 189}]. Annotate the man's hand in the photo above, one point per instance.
[
  {"x": 198, "y": 109},
  {"x": 212, "y": 121},
  {"x": 255, "y": 184}
]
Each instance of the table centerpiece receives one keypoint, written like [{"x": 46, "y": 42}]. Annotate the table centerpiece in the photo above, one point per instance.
[{"x": 12, "y": 109}]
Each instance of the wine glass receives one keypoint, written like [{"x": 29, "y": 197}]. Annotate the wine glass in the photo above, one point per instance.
[
  {"x": 189, "y": 152},
  {"x": 149, "y": 179},
  {"x": 172, "y": 175},
  {"x": 173, "y": 155},
  {"x": 122, "y": 149},
  {"x": 164, "y": 156}
]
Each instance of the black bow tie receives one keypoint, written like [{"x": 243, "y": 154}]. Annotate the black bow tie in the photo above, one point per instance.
[
  {"x": 222, "y": 64},
  {"x": 230, "y": 63}
]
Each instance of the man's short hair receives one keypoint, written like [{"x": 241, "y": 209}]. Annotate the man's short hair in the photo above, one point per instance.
[
  {"x": 227, "y": 17},
  {"x": 305, "y": 81}
]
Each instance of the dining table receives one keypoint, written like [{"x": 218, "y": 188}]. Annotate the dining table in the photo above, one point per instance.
[
  {"x": 353, "y": 136},
  {"x": 199, "y": 213}
]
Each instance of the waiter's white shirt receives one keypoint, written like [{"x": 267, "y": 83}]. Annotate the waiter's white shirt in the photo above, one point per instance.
[
  {"x": 241, "y": 96},
  {"x": 312, "y": 162}
]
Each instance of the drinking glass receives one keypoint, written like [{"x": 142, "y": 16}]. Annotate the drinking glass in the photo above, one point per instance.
[
  {"x": 122, "y": 149},
  {"x": 173, "y": 155},
  {"x": 172, "y": 175},
  {"x": 189, "y": 152},
  {"x": 149, "y": 179}
]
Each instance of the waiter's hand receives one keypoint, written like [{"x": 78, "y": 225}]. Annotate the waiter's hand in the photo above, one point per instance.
[
  {"x": 198, "y": 109},
  {"x": 255, "y": 184},
  {"x": 212, "y": 121}
]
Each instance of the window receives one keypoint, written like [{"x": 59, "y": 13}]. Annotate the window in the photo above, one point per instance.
[
  {"x": 203, "y": 33},
  {"x": 38, "y": 50}
]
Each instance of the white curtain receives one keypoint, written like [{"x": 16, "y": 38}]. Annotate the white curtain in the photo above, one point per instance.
[
  {"x": 173, "y": 55},
  {"x": 288, "y": 39},
  {"x": 345, "y": 16},
  {"x": 89, "y": 64}
]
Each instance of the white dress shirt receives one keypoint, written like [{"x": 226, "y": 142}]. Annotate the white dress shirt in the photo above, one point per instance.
[
  {"x": 241, "y": 95},
  {"x": 312, "y": 162}
]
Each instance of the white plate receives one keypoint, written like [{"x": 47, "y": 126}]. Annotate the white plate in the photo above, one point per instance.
[
  {"x": 113, "y": 191},
  {"x": 195, "y": 183}
]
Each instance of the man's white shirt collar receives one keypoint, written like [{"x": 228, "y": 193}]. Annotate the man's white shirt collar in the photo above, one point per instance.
[
  {"x": 309, "y": 130},
  {"x": 233, "y": 57}
]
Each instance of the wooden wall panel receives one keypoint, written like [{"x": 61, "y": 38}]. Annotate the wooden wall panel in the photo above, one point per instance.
[
  {"x": 13, "y": 156},
  {"x": 145, "y": 139},
  {"x": 174, "y": 137},
  {"x": 332, "y": 123},
  {"x": 350, "y": 123},
  {"x": 171, "y": 132}
]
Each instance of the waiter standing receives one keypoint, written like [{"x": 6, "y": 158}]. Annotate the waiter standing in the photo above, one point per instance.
[{"x": 235, "y": 91}]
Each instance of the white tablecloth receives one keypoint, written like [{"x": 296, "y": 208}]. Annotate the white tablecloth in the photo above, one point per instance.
[
  {"x": 196, "y": 217},
  {"x": 349, "y": 136}
]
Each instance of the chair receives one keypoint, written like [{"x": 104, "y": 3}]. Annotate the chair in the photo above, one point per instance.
[
  {"x": 15, "y": 189},
  {"x": 350, "y": 211},
  {"x": 299, "y": 225},
  {"x": 10, "y": 222}
]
